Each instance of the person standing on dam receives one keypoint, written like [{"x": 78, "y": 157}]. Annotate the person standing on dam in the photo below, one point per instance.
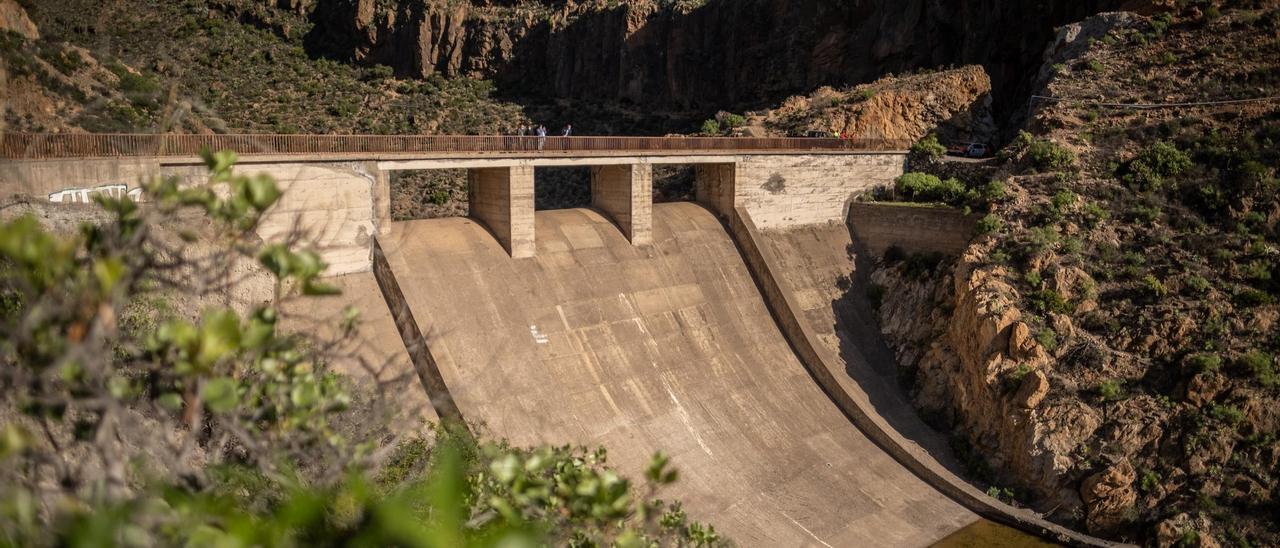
[{"x": 542, "y": 136}]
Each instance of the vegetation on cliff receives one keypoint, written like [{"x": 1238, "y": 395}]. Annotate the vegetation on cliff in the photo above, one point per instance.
[
  {"x": 190, "y": 65},
  {"x": 1128, "y": 282}
]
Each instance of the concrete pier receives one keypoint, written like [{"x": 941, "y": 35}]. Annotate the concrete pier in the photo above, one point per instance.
[
  {"x": 502, "y": 198},
  {"x": 625, "y": 192}
]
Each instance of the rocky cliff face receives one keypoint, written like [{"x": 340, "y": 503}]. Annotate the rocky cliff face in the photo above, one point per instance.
[
  {"x": 979, "y": 368},
  {"x": 722, "y": 54},
  {"x": 954, "y": 103}
]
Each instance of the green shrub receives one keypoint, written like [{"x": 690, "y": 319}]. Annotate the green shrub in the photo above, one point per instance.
[
  {"x": 1003, "y": 494},
  {"x": 1046, "y": 155},
  {"x": 1258, "y": 270},
  {"x": 1144, "y": 213},
  {"x": 988, "y": 224},
  {"x": 923, "y": 187},
  {"x": 1154, "y": 287},
  {"x": 1042, "y": 238},
  {"x": 1229, "y": 414},
  {"x": 1205, "y": 362},
  {"x": 1013, "y": 378},
  {"x": 929, "y": 146},
  {"x": 1047, "y": 300},
  {"x": 1251, "y": 297},
  {"x": 1094, "y": 215},
  {"x": 1150, "y": 481},
  {"x": 1148, "y": 171},
  {"x": 734, "y": 120},
  {"x": 710, "y": 128},
  {"x": 1048, "y": 339},
  {"x": 1033, "y": 278},
  {"x": 1198, "y": 284},
  {"x": 1262, "y": 365},
  {"x": 1072, "y": 246},
  {"x": 993, "y": 191},
  {"x": 1063, "y": 200},
  {"x": 1111, "y": 390}
]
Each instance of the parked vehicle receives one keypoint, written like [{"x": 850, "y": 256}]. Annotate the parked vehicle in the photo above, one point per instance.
[
  {"x": 970, "y": 150},
  {"x": 978, "y": 150}
]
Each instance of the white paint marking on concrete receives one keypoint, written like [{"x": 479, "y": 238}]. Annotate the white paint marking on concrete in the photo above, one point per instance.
[
  {"x": 618, "y": 421},
  {"x": 684, "y": 417},
  {"x": 563, "y": 320},
  {"x": 85, "y": 195},
  {"x": 635, "y": 315},
  {"x": 538, "y": 336},
  {"x": 684, "y": 414},
  {"x": 807, "y": 531}
]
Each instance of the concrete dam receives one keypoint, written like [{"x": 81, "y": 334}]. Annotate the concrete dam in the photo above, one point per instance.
[{"x": 731, "y": 333}]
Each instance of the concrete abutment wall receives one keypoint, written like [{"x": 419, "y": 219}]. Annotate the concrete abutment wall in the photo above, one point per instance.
[{"x": 911, "y": 227}]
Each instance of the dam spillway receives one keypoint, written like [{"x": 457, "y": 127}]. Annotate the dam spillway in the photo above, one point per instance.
[{"x": 668, "y": 347}]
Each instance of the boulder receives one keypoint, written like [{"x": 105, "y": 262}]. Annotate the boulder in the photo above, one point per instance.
[
  {"x": 1034, "y": 387},
  {"x": 14, "y": 19},
  {"x": 1204, "y": 387},
  {"x": 1109, "y": 498},
  {"x": 1177, "y": 531}
]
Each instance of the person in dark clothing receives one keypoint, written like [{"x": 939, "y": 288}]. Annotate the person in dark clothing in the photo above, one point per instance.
[{"x": 568, "y": 130}]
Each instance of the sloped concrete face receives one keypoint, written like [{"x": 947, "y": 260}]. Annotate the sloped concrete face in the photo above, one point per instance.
[{"x": 668, "y": 347}]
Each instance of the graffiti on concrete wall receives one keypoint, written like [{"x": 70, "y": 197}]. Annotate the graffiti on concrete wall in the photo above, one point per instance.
[{"x": 85, "y": 195}]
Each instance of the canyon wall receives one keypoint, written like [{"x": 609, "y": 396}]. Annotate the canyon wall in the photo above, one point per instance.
[{"x": 721, "y": 54}]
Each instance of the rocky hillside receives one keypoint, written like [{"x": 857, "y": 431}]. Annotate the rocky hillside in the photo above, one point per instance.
[
  {"x": 640, "y": 66},
  {"x": 1107, "y": 351},
  {"x": 198, "y": 65},
  {"x": 955, "y": 104}
]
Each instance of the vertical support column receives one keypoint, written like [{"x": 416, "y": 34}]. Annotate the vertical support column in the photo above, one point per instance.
[
  {"x": 502, "y": 198},
  {"x": 625, "y": 192},
  {"x": 715, "y": 186},
  {"x": 381, "y": 198}
]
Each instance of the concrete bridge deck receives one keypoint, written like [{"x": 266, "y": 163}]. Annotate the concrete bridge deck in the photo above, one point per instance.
[{"x": 35, "y": 146}]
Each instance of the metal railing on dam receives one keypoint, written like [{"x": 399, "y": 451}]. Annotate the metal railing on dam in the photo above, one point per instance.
[{"x": 35, "y": 146}]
